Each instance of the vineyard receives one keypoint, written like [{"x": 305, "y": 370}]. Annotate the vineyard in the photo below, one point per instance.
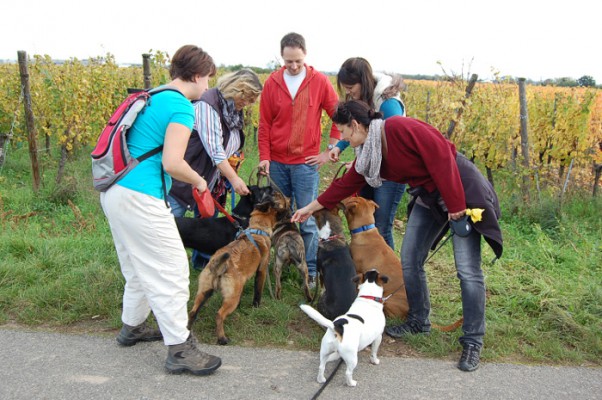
[
  {"x": 71, "y": 102},
  {"x": 59, "y": 268}
]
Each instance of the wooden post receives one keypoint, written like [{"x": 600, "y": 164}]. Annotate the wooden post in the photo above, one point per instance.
[
  {"x": 428, "y": 106},
  {"x": 146, "y": 70},
  {"x": 524, "y": 137},
  {"x": 452, "y": 124},
  {"x": 31, "y": 128}
]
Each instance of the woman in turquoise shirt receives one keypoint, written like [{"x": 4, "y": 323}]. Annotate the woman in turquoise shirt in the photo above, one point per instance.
[{"x": 153, "y": 260}]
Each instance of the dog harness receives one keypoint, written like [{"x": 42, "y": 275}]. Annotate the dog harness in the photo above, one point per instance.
[
  {"x": 362, "y": 228},
  {"x": 252, "y": 231}
]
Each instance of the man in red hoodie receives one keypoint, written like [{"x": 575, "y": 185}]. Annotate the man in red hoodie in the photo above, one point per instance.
[{"x": 290, "y": 132}]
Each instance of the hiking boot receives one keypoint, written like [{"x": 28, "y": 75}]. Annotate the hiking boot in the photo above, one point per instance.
[
  {"x": 469, "y": 360},
  {"x": 187, "y": 357},
  {"x": 130, "y": 335},
  {"x": 406, "y": 329}
]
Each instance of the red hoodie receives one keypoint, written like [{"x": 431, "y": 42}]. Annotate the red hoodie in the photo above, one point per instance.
[{"x": 290, "y": 130}]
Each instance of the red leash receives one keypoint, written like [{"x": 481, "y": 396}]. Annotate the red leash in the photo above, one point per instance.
[{"x": 223, "y": 211}]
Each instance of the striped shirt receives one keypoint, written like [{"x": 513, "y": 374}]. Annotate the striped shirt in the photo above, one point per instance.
[{"x": 208, "y": 124}]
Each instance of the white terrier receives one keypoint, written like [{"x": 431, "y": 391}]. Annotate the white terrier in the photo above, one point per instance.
[{"x": 360, "y": 327}]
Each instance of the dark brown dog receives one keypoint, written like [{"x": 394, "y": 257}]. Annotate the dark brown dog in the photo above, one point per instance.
[
  {"x": 289, "y": 249},
  {"x": 335, "y": 265},
  {"x": 231, "y": 266},
  {"x": 369, "y": 250}
]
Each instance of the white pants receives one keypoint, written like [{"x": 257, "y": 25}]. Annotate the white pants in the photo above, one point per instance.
[{"x": 153, "y": 261}]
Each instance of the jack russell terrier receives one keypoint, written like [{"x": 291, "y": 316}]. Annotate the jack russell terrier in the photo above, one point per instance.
[{"x": 360, "y": 327}]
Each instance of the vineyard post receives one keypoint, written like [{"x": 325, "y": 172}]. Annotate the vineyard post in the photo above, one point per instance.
[
  {"x": 469, "y": 87},
  {"x": 428, "y": 104},
  {"x": 524, "y": 136},
  {"x": 146, "y": 70},
  {"x": 29, "y": 120}
]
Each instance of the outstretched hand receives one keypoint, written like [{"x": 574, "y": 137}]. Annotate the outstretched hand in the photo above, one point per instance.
[{"x": 301, "y": 215}]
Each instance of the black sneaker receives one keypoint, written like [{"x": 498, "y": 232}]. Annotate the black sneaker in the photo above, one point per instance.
[
  {"x": 130, "y": 335},
  {"x": 469, "y": 360},
  {"x": 406, "y": 329},
  {"x": 311, "y": 282}
]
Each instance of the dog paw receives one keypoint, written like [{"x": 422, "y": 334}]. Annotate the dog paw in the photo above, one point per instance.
[
  {"x": 374, "y": 360},
  {"x": 321, "y": 379},
  {"x": 351, "y": 383},
  {"x": 223, "y": 341}
]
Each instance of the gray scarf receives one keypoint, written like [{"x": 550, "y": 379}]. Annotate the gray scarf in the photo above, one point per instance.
[{"x": 368, "y": 156}]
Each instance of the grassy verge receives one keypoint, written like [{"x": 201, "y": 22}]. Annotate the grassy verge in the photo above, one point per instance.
[{"x": 58, "y": 269}]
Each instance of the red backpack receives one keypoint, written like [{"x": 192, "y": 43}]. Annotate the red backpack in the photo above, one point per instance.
[{"x": 111, "y": 158}]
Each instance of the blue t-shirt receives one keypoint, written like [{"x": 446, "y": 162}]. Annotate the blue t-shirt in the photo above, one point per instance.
[{"x": 147, "y": 133}]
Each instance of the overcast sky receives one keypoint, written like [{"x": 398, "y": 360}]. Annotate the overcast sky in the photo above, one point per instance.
[{"x": 535, "y": 39}]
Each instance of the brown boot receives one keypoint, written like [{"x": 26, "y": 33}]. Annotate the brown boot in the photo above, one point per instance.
[
  {"x": 187, "y": 357},
  {"x": 130, "y": 335}
]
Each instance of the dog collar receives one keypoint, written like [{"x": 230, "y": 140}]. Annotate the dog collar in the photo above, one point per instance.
[
  {"x": 363, "y": 228},
  {"x": 332, "y": 237},
  {"x": 376, "y": 299}
]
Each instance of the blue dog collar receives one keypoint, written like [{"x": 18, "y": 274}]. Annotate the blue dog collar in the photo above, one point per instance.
[{"x": 362, "y": 228}]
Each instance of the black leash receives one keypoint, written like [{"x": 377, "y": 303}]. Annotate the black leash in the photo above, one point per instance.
[
  {"x": 441, "y": 245},
  {"x": 327, "y": 380}
]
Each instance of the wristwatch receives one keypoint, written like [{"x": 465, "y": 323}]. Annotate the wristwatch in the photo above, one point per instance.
[{"x": 330, "y": 146}]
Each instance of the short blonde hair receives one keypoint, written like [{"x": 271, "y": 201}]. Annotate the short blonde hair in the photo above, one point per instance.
[{"x": 244, "y": 83}]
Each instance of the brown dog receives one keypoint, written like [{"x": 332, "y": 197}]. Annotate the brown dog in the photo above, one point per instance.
[
  {"x": 289, "y": 249},
  {"x": 231, "y": 266},
  {"x": 369, "y": 250}
]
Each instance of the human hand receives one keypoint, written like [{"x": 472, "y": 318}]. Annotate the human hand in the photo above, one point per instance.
[
  {"x": 301, "y": 215},
  {"x": 455, "y": 216},
  {"x": 318, "y": 160},
  {"x": 348, "y": 165},
  {"x": 201, "y": 186},
  {"x": 333, "y": 154},
  {"x": 264, "y": 167},
  {"x": 240, "y": 186}
]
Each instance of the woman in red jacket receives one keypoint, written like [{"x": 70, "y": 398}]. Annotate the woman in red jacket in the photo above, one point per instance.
[{"x": 443, "y": 185}]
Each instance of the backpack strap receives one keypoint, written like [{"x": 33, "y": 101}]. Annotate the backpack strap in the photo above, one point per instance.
[{"x": 158, "y": 149}]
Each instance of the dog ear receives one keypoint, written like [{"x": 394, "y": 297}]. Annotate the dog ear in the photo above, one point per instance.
[
  {"x": 373, "y": 203},
  {"x": 263, "y": 206}
]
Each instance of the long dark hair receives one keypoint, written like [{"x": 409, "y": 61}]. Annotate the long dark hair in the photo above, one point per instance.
[
  {"x": 355, "y": 110},
  {"x": 357, "y": 70}
]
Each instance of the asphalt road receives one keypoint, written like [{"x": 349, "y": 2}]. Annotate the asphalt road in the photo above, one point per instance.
[{"x": 40, "y": 365}]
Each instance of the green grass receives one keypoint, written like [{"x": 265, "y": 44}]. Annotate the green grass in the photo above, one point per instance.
[{"x": 59, "y": 271}]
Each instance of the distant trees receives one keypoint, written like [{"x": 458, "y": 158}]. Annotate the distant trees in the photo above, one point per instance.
[{"x": 586, "y": 81}]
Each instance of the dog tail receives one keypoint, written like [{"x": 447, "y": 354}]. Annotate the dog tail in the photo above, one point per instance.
[
  {"x": 316, "y": 316},
  {"x": 218, "y": 265},
  {"x": 450, "y": 327}
]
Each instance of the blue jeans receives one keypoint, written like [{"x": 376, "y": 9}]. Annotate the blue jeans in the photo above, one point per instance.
[
  {"x": 421, "y": 232},
  {"x": 387, "y": 197},
  {"x": 300, "y": 183},
  {"x": 178, "y": 210}
]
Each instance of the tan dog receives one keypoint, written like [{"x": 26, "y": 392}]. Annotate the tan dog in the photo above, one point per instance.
[
  {"x": 231, "y": 266},
  {"x": 369, "y": 250}
]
